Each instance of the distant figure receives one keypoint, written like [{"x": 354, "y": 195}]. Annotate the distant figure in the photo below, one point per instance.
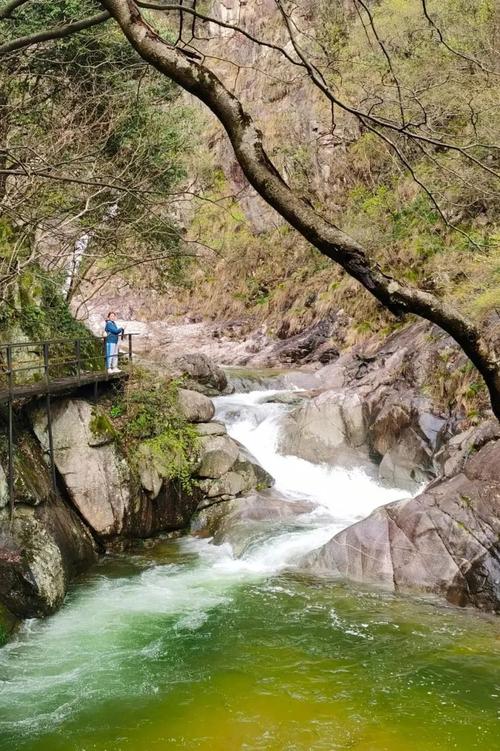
[{"x": 112, "y": 334}]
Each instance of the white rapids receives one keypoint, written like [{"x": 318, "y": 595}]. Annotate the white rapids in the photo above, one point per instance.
[{"x": 341, "y": 496}]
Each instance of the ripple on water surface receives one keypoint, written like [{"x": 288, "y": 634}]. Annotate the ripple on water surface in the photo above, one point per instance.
[{"x": 165, "y": 654}]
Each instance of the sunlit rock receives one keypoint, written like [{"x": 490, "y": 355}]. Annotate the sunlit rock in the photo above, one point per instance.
[{"x": 194, "y": 406}]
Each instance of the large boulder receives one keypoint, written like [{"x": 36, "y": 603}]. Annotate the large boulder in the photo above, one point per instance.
[
  {"x": 41, "y": 549},
  {"x": 329, "y": 428},
  {"x": 218, "y": 453},
  {"x": 195, "y": 407},
  {"x": 97, "y": 478},
  {"x": 445, "y": 541},
  {"x": 201, "y": 374},
  {"x": 407, "y": 462},
  {"x": 245, "y": 474},
  {"x": 240, "y": 521}
]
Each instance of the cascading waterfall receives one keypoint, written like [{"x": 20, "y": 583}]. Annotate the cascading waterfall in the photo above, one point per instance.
[{"x": 189, "y": 646}]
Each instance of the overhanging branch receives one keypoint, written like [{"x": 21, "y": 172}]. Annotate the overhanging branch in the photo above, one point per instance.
[
  {"x": 246, "y": 140},
  {"x": 57, "y": 32}
]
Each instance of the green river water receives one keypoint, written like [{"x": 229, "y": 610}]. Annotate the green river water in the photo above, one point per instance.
[
  {"x": 185, "y": 646},
  {"x": 214, "y": 662}
]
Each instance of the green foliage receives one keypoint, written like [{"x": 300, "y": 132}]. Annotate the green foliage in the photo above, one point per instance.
[
  {"x": 148, "y": 418},
  {"x": 93, "y": 106},
  {"x": 101, "y": 426}
]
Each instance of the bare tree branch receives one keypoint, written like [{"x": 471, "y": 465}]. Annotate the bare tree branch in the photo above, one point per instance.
[
  {"x": 7, "y": 10},
  {"x": 451, "y": 49},
  {"x": 58, "y": 32}
]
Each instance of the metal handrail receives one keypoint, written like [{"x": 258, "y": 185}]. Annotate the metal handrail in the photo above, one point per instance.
[
  {"x": 84, "y": 363},
  {"x": 80, "y": 362},
  {"x": 4, "y": 345}
]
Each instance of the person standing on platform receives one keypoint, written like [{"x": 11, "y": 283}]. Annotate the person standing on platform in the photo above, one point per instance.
[{"x": 112, "y": 333}]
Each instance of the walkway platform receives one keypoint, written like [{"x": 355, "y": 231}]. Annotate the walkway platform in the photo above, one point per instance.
[{"x": 57, "y": 386}]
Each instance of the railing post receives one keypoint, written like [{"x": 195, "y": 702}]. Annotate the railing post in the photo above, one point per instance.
[
  {"x": 51, "y": 444},
  {"x": 11, "y": 433},
  {"x": 130, "y": 349},
  {"x": 11, "y": 461},
  {"x": 78, "y": 359},
  {"x": 46, "y": 361}
]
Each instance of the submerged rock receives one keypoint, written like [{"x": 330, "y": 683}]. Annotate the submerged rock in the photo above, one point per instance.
[
  {"x": 445, "y": 541},
  {"x": 240, "y": 521}
]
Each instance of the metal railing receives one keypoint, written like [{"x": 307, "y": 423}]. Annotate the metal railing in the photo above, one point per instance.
[
  {"x": 32, "y": 363},
  {"x": 54, "y": 364}
]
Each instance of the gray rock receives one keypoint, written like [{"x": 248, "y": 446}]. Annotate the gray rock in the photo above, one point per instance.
[
  {"x": 407, "y": 464},
  {"x": 451, "y": 457},
  {"x": 40, "y": 551},
  {"x": 150, "y": 469},
  {"x": 432, "y": 428},
  {"x": 289, "y": 397},
  {"x": 243, "y": 520},
  {"x": 329, "y": 428},
  {"x": 195, "y": 407},
  {"x": 211, "y": 428},
  {"x": 387, "y": 427},
  {"x": 246, "y": 474},
  {"x": 217, "y": 455},
  {"x": 445, "y": 541},
  {"x": 229, "y": 484},
  {"x": 201, "y": 374},
  {"x": 96, "y": 477}
]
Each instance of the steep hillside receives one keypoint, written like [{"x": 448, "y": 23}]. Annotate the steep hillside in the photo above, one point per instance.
[{"x": 265, "y": 270}]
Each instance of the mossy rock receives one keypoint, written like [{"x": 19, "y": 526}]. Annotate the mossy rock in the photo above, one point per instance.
[{"x": 102, "y": 430}]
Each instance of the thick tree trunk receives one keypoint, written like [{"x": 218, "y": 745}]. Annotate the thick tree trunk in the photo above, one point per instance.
[{"x": 246, "y": 139}]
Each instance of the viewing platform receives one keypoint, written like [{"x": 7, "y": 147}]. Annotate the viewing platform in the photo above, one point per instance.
[
  {"x": 31, "y": 370},
  {"x": 58, "y": 366}
]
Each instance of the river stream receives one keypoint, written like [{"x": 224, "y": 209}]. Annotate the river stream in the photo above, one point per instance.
[{"x": 188, "y": 645}]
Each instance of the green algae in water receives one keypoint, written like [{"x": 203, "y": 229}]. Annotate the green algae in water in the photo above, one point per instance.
[{"x": 177, "y": 649}]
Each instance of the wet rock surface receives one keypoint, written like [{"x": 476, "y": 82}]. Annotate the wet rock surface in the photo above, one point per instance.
[
  {"x": 373, "y": 408},
  {"x": 240, "y": 520},
  {"x": 444, "y": 541},
  {"x": 103, "y": 500},
  {"x": 41, "y": 549}
]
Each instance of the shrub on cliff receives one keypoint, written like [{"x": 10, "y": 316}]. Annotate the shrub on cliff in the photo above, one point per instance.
[{"x": 146, "y": 419}]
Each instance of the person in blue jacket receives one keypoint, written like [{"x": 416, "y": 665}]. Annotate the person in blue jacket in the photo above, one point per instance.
[{"x": 112, "y": 334}]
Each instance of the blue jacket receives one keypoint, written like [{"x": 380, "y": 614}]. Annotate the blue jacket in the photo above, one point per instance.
[{"x": 112, "y": 332}]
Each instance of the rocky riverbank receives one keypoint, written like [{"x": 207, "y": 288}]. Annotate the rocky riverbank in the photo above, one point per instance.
[
  {"x": 372, "y": 407},
  {"x": 106, "y": 497}
]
